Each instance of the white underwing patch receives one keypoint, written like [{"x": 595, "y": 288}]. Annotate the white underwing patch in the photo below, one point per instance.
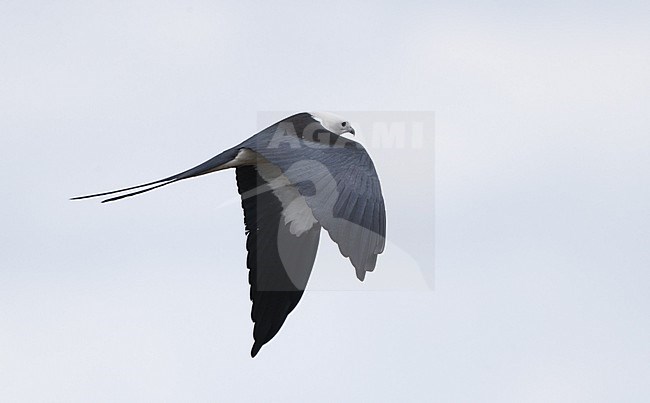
[{"x": 295, "y": 210}]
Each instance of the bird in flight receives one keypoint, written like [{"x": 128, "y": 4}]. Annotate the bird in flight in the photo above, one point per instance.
[{"x": 294, "y": 177}]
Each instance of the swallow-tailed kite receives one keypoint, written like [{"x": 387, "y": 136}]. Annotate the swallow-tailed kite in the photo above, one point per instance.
[{"x": 294, "y": 177}]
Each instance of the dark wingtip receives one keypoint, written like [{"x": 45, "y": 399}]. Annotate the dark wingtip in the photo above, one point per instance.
[{"x": 256, "y": 349}]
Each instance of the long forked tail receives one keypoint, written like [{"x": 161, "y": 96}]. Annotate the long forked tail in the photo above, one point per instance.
[{"x": 211, "y": 165}]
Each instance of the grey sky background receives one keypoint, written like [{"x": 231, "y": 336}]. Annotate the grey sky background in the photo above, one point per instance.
[{"x": 542, "y": 170}]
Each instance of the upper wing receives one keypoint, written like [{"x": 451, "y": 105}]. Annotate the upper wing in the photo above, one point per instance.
[
  {"x": 339, "y": 182},
  {"x": 279, "y": 261}
]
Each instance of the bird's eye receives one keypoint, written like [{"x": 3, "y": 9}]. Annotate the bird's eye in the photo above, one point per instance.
[{"x": 344, "y": 124}]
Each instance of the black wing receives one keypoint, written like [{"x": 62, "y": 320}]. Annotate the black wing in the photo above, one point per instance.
[
  {"x": 339, "y": 182},
  {"x": 279, "y": 262}
]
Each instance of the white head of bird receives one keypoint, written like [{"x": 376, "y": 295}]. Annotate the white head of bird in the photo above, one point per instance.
[{"x": 333, "y": 123}]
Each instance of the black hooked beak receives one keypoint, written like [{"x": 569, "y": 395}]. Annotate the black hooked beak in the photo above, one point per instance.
[{"x": 352, "y": 131}]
